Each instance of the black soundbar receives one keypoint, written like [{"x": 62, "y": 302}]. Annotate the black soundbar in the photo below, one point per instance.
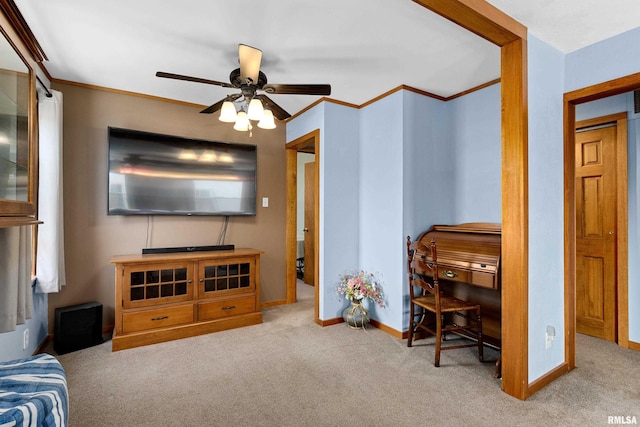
[{"x": 188, "y": 249}]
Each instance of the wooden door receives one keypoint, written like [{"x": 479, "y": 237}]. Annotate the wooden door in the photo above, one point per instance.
[
  {"x": 309, "y": 223},
  {"x": 595, "y": 233}
]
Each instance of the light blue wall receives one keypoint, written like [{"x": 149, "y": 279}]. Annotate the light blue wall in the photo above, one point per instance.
[
  {"x": 394, "y": 175},
  {"x": 476, "y": 140},
  {"x": 381, "y": 201},
  {"x": 609, "y": 59},
  {"x": 429, "y": 176},
  {"x": 546, "y": 206},
  {"x": 604, "y": 107},
  {"x": 11, "y": 342}
]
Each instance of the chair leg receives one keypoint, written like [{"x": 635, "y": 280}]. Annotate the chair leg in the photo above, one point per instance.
[
  {"x": 480, "y": 344},
  {"x": 439, "y": 321},
  {"x": 411, "y": 325}
]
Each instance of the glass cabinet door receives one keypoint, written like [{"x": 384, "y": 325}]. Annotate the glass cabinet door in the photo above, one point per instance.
[{"x": 17, "y": 158}]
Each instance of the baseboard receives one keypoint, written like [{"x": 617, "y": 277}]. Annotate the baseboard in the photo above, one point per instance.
[
  {"x": 547, "y": 379},
  {"x": 634, "y": 346},
  {"x": 45, "y": 342},
  {"x": 389, "y": 330},
  {"x": 330, "y": 322},
  {"x": 273, "y": 303}
]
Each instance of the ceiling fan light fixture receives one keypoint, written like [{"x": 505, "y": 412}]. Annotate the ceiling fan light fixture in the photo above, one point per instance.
[
  {"x": 242, "y": 123},
  {"x": 267, "y": 121},
  {"x": 228, "y": 112},
  {"x": 256, "y": 110}
]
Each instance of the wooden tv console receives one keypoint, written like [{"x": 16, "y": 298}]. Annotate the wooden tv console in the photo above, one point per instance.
[{"x": 162, "y": 297}]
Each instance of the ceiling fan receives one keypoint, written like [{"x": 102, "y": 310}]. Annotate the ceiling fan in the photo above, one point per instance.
[{"x": 249, "y": 79}]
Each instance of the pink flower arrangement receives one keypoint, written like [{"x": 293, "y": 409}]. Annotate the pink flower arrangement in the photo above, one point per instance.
[{"x": 360, "y": 285}]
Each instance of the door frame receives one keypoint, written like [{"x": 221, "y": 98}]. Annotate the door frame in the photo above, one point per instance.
[
  {"x": 619, "y": 120},
  {"x": 571, "y": 99},
  {"x": 303, "y": 143},
  {"x": 490, "y": 23}
]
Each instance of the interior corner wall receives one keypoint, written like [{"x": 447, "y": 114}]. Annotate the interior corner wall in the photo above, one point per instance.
[
  {"x": 546, "y": 206},
  {"x": 382, "y": 201},
  {"x": 429, "y": 176},
  {"x": 11, "y": 343},
  {"x": 92, "y": 237},
  {"x": 339, "y": 194},
  {"x": 476, "y": 155}
]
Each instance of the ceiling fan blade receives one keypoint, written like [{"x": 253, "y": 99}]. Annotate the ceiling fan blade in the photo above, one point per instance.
[
  {"x": 250, "y": 59},
  {"x": 192, "y": 79},
  {"x": 215, "y": 107},
  {"x": 297, "y": 89},
  {"x": 278, "y": 112}
]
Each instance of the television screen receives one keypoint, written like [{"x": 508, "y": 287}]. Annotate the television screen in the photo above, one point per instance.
[{"x": 153, "y": 174}]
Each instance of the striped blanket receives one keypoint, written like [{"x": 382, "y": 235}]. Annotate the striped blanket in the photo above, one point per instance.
[{"x": 33, "y": 392}]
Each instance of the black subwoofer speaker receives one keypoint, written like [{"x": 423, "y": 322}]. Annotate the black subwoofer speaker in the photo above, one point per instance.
[{"x": 77, "y": 327}]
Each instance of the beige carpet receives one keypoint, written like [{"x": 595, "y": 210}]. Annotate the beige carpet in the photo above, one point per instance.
[{"x": 289, "y": 371}]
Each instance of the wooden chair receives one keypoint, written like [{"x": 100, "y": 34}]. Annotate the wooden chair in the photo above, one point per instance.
[{"x": 426, "y": 297}]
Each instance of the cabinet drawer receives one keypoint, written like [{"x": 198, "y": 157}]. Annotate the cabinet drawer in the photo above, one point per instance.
[
  {"x": 449, "y": 273},
  {"x": 230, "y": 307},
  {"x": 472, "y": 277},
  {"x": 158, "y": 318},
  {"x": 484, "y": 280}
]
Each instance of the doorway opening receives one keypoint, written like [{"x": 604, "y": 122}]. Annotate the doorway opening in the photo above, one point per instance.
[
  {"x": 308, "y": 144},
  {"x": 571, "y": 100}
]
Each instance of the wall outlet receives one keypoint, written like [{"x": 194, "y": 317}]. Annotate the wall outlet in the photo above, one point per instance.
[
  {"x": 25, "y": 339},
  {"x": 547, "y": 343},
  {"x": 549, "y": 335},
  {"x": 265, "y": 202}
]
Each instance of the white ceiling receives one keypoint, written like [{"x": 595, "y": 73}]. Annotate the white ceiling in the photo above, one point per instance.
[{"x": 363, "y": 48}]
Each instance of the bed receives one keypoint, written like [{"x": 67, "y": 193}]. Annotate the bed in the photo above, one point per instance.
[{"x": 33, "y": 392}]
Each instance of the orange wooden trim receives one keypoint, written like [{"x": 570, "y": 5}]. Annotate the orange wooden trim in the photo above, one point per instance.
[
  {"x": 12, "y": 13},
  {"x": 43, "y": 345},
  {"x": 310, "y": 139},
  {"x": 622, "y": 273},
  {"x": 515, "y": 228},
  {"x": 569, "y": 235},
  {"x": 291, "y": 223},
  {"x": 308, "y": 107},
  {"x": 479, "y": 17},
  {"x": 392, "y": 91},
  {"x": 474, "y": 89},
  {"x": 634, "y": 345},
  {"x": 388, "y": 329},
  {"x": 612, "y": 118},
  {"x": 330, "y": 322},
  {"x": 124, "y": 92},
  {"x": 299, "y": 113},
  {"x": 571, "y": 99},
  {"x": 273, "y": 303},
  {"x": 602, "y": 90},
  {"x": 547, "y": 379}
]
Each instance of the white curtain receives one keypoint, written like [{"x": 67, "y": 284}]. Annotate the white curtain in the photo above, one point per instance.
[
  {"x": 15, "y": 277},
  {"x": 50, "y": 272}
]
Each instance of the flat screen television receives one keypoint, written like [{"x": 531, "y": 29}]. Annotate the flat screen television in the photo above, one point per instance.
[{"x": 154, "y": 174}]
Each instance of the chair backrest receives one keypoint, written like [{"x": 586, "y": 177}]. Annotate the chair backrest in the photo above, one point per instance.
[{"x": 422, "y": 263}]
